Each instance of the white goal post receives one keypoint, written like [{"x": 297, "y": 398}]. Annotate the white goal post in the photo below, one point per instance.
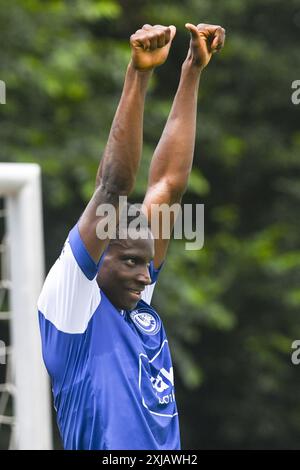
[{"x": 20, "y": 187}]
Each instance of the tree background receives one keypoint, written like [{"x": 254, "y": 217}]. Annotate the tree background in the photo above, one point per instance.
[{"x": 231, "y": 309}]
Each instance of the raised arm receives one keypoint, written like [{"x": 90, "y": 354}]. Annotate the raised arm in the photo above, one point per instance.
[
  {"x": 173, "y": 157},
  {"x": 117, "y": 170}
]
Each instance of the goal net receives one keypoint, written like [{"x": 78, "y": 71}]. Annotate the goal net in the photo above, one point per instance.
[{"x": 25, "y": 410}]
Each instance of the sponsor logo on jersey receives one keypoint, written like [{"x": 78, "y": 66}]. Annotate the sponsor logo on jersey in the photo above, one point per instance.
[{"x": 156, "y": 383}]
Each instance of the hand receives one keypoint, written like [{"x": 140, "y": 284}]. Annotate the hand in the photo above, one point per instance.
[
  {"x": 150, "y": 46},
  {"x": 206, "y": 39}
]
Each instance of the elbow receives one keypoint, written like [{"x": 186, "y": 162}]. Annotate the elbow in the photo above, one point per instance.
[
  {"x": 168, "y": 190},
  {"x": 116, "y": 180},
  {"x": 118, "y": 186},
  {"x": 176, "y": 188}
]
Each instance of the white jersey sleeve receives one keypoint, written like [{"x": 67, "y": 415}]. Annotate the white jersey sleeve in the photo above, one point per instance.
[
  {"x": 148, "y": 291},
  {"x": 70, "y": 294}
]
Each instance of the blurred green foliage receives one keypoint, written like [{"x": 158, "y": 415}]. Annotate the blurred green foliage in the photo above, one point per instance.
[{"x": 231, "y": 309}]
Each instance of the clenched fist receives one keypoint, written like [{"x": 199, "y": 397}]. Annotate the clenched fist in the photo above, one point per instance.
[
  {"x": 206, "y": 39},
  {"x": 150, "y": 46}
]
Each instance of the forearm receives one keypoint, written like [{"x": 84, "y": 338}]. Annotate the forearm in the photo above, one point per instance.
[
  {"x": 122, "y": 154},
  {"x": 172, "y": 160}
]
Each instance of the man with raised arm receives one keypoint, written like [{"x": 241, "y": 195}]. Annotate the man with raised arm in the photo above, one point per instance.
[{"x": 103, "y": 343}]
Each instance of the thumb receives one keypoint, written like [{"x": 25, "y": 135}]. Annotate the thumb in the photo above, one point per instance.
[
  {"x": 192, "y": 29},
  {"x": 215, "y": 45},
  {"x": 173, "y": 31}
]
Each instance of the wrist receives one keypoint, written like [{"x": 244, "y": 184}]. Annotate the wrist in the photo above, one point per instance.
[
  {"x": 141, "y": 72},
  {"x": 192, "y": 66}
]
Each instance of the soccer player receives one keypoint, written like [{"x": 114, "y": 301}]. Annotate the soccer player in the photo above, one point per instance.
[{"x": 104, "y": 345}]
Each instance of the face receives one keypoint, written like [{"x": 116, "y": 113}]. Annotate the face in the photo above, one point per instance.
[{"x": 124, "y": 273}]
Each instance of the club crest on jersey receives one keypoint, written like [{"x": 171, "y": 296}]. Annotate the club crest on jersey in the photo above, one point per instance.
[{"x": 145, "y": 321}]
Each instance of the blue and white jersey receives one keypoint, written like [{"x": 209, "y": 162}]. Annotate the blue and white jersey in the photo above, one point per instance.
[{"x": 111, "y": 371}]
